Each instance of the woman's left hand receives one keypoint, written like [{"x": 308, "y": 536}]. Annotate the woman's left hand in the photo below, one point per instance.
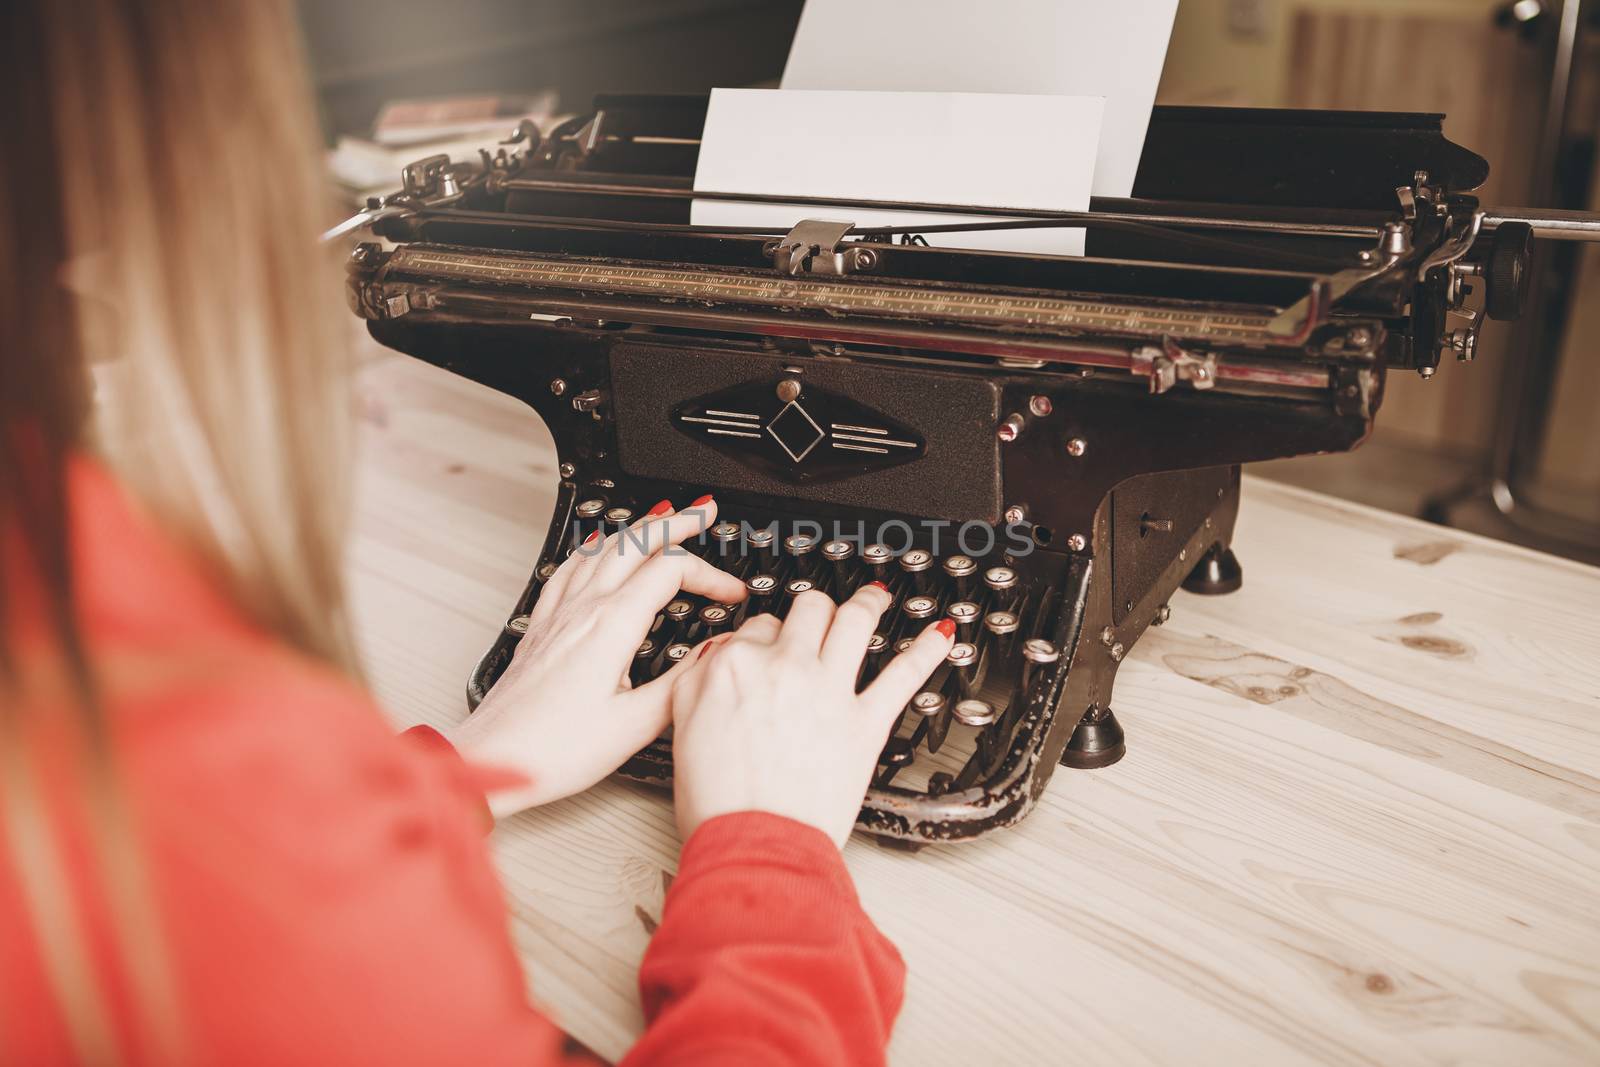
[{"x": 563, "y": 714}]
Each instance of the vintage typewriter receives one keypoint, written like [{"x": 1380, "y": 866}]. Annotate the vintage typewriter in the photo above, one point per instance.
[{"x": 1041, "y": 448}]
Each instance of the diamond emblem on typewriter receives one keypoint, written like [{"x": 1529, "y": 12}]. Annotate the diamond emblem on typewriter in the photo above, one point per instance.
[
  {"x": 796, "y": 432},
  {"x": 809, "y": 435}
]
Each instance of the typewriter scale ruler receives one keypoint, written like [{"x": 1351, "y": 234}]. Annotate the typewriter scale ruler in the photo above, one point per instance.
[{"x": 864, "y": 297}]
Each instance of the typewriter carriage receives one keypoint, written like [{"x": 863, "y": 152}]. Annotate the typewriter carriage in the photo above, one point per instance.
[{"x": 1229, "y": 312}]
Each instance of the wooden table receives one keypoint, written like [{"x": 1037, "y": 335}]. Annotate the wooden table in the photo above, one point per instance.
[{"x": 1358, "y": 821}]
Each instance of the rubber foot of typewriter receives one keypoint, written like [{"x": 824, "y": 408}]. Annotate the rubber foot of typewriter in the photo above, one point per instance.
[
  {"x": 1217, "y": 572},
  {"x": 1096, "y": 742}
]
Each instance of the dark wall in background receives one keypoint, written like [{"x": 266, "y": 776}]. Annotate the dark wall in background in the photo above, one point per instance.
[{"x": 365, "y": 52}]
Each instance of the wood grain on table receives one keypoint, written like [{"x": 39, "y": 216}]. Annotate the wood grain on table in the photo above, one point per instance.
[{"x": 1358, "y": 821}]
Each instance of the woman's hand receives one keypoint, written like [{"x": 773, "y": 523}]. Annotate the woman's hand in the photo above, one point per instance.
[
  {"x": 563, "y": 713},
  {"x": 769, "y": 719}
]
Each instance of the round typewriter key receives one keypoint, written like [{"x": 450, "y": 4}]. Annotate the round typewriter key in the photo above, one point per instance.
[
  {"x": 974, "y": 712},
  {"x": 959, "y": 566},
  {"x": 1000, "y": 622},
  {"x": 517, "y": 624},
  {"x": 760, "y": 544},
  {"x": 761, "y": 588},
  {"x": 1003, "y": 626},
  {"x": 799, "y": 544},
  {"x": 1038, "y": 650},
  {"x": 724, "y": 540},
  {"x": 791, "y": 589},
  {"x": 676, "y": 653},
  {"x": 802, "y": 548},
  {"x": 963, "y": 662},
  {"x": 960, "y": 569},
  {"x": 586, "y": 519},
  {"x": 964, "y": 613},
  {"x": 835, "y": 551},
  {"x": 872, "y": 662},
  {"x": 1000, "y": 578},
  {"x": 716, "y": 616},
  {"x": 915, "y": 564},
  {"x": 618, "y": 516},
  {"x": 643, "y": 657},
  {"x": 839, "y": 554},
  {"x": 547, "y": 571},
  {"x": 875, "y": 559},
  {"x": 1001, "y": 583},
  {"x": 903, "y": 644},
  {"x": 920, "y": 607},
  {"x": 678, "y": 610},
  {"x": 928, "y": 703},
  {"x": 1036, "y": 655}
]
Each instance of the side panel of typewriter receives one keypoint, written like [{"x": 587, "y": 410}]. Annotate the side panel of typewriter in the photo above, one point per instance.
[
  {"x": 562, "y": 374},
  {"x": 1134, "y": 533}
]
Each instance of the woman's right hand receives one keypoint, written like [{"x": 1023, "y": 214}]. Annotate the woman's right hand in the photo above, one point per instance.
[{"x": 769, "y": 719}]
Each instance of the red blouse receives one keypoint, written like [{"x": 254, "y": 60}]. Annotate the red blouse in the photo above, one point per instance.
[{"x": 322, "y": 890}]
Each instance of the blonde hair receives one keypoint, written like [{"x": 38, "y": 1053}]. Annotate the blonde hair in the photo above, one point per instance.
[{"x": 163, "y": 166}]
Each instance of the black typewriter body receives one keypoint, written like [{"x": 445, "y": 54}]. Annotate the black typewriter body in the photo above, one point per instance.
[{"x": 1042, "y": 448}]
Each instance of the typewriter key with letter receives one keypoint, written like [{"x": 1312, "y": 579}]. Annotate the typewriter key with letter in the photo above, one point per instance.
[
  {"x": 1001, "y": 584},
  {"x": 644, "y": 661},
  {"x": 960, "y": 569},
  {"x": 1001, "y": 626},
  {"x": 761, "y": 587},
  {"x": 840, "y": 554},
  {"x": 793, "y": 588},
  {"x": 875, "y": 560},
  {"x": 915, "y": 565},
  {"x": 725, "y": 544},
  {"x": 761, "y": 550},
  {"x": 587, "y": 519},
  {"x": 800, "y": 551},
  {"x": 964, "y": 613}
]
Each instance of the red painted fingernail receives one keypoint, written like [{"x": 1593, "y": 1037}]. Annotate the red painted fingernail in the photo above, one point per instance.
[
  {"x": 661, "y": 508},
  {"x": 946, "y": 627},
  {"x": 702, "y": 500},
  {"x": 879, "y": 585},
  {"x": 703, "y": 650},
  {"x": 591, "y": 537}
]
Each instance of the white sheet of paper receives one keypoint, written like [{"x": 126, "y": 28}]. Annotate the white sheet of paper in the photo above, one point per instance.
[
  {"x": 983, "y": 149},
  {"x": 1075, "y": 47}
]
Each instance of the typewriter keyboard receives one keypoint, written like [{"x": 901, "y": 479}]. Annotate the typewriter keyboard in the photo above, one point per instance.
[{"x": 956, "y": 732}]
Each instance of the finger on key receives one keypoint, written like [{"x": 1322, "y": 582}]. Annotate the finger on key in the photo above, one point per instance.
[
  {"x": 628, "y": 550},
  {"x": 853, "y": 626},
  {"x": 556, "y": 588},
  {"x": 807, "y": 622},
  {"x": 665, "y": 575},
  {"x": 903, "y": 676},
  {"x": 764, "y": 629}
]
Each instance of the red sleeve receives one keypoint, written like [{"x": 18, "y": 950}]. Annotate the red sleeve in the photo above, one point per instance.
[
  {"x": 765, "y": 956},
  {"x": 328, "y": 892},
  {"x": 471, "y": 782}
]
